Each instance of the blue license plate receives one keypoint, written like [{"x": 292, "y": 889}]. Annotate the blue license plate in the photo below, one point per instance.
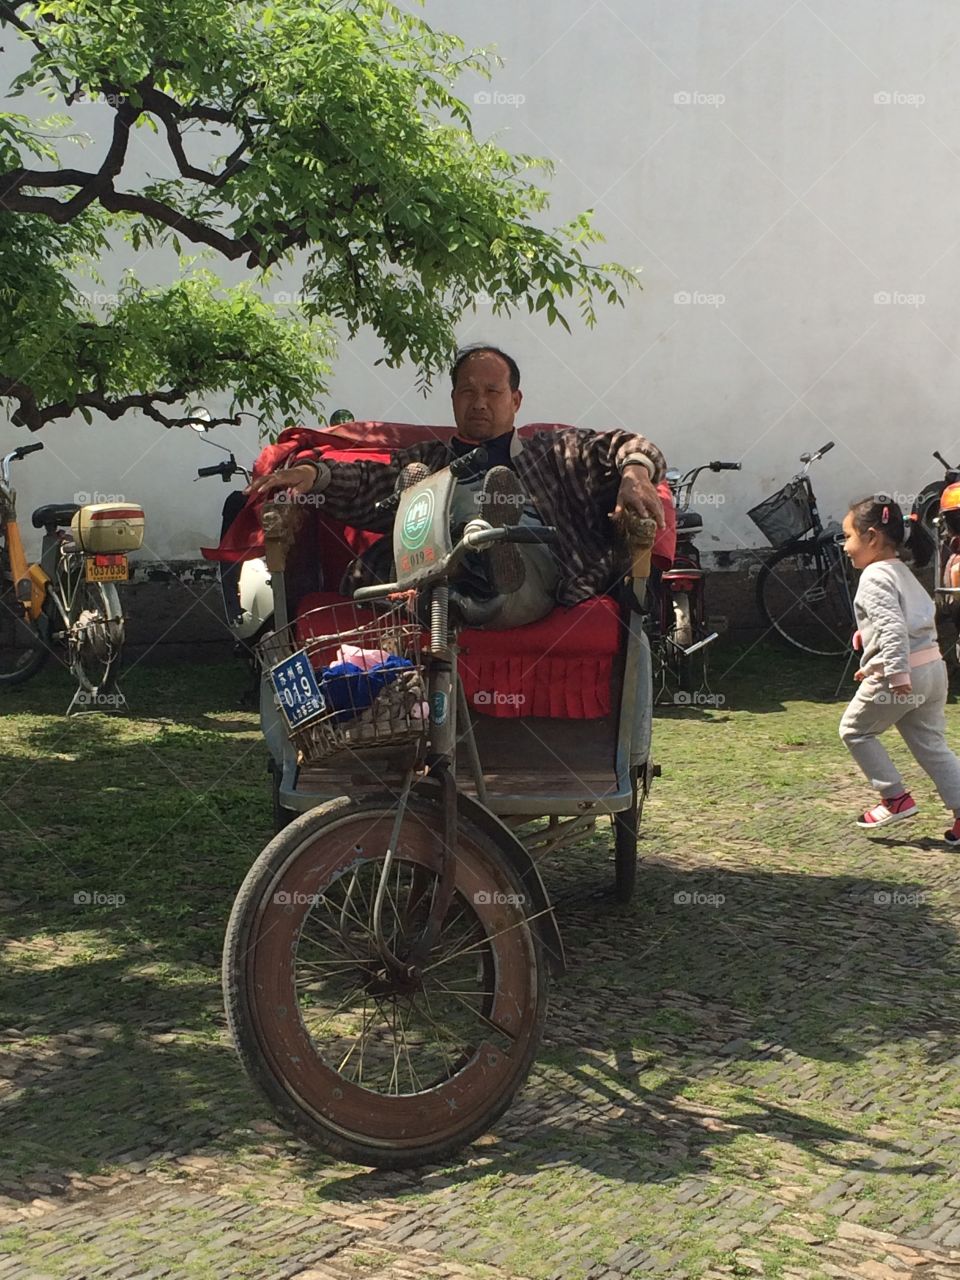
[{"x": 297, "y": 690}]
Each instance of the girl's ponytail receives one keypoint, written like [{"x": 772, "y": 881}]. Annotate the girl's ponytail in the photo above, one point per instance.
[{"x": 879, "y": 512}]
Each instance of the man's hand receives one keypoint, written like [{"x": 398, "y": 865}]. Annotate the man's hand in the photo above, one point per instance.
[
  {"x": 298, "y": 479},
  {"x": 638, "y": 492}
]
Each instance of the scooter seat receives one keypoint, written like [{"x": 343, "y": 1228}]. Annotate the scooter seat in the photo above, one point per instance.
[
  {"x": 53, "y": 514},
  {"x": 689, "y": 520}
]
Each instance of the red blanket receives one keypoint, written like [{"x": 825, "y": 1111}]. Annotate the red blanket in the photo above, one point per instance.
[{"x": 373, "y": 440}]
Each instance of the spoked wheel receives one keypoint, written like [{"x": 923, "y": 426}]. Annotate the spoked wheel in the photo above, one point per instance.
[
  {"x": 94, "y": 635},
  {"x": 381, "y": 1066},
  {"x": 805, "y": 597},
  {"x": 22, "y": 648}
]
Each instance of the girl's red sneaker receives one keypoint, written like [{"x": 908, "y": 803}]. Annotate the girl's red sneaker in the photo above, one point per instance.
[{"x": 953, "y": 835}]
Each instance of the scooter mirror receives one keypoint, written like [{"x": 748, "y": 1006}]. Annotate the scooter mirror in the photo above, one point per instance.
[{"x": 204, "y": 419}]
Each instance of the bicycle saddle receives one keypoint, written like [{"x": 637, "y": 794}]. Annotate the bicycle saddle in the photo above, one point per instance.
[
  {"x": 53, "y": 514},
  {"x": 689, "y": 520}
]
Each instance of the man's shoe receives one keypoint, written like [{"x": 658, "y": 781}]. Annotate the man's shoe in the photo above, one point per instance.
[
  {"x": 500, "y": 502},
  {"x": 891, "y": 809}
]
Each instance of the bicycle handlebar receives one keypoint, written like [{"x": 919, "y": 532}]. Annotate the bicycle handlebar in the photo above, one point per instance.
[
  {"x": 726, "y": 466},
  {"x": 825, "y": 448},
  {"x": 27, "y": 448},
  {"x": 219, "y": 469}
]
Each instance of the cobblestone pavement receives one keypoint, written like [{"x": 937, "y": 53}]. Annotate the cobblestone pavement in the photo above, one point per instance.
[{"x": 752, "y": 1070}]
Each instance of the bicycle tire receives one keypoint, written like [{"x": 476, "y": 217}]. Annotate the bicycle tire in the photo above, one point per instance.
[
  {"x": 804, "y": 597},
  {"x": 95, "y": 628},
  {"x": 328, "y": 860},
  {"x": 23, "y": 650}
]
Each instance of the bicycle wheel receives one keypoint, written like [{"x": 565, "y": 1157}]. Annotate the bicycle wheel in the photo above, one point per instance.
[
  {"x": 22, "y": 648},
  {"x": 94, "y": 626},
  {"x": 385, "y": 1071},
  {"x": 804, "y": 594}
]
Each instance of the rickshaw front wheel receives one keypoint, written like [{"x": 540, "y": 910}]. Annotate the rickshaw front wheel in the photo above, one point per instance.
[{"x": 383, "y": 1064}]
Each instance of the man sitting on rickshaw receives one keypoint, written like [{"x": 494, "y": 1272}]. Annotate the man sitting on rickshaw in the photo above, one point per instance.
[{"x": 572, "y": 479}]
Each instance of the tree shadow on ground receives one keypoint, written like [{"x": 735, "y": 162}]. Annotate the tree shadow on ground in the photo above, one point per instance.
[{"x": 784, "y": 968}]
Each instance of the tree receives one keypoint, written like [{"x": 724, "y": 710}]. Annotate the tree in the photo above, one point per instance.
[{"x": 339, "y": 142}]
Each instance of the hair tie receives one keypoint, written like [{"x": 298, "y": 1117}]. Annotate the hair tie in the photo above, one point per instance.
[{"x": 886, "y": 515}]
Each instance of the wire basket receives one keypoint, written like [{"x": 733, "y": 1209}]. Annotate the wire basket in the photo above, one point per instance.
[
  {"x": 785, "y": 515},
  {"x": 368, "y": 687}
]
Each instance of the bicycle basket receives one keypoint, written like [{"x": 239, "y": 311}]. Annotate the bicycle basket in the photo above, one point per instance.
[
  {"x": 785, "y": 515},
  {"x": 348, "y": 678}
]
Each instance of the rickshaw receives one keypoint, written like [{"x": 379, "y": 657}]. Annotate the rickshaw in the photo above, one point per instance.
[{"x": 387, "y": 959}]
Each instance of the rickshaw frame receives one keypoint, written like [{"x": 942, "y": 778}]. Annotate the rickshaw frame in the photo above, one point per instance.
[{"x": 570, "y": 812}]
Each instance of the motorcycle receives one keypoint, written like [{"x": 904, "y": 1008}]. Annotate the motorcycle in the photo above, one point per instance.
[
  {"x": 935, "y": 543},
  {"x": 245, "y": 587},
  {"x": 681, "y": 635}
]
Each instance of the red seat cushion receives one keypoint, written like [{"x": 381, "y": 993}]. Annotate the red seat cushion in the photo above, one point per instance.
[{"x": 559, "y": 667}]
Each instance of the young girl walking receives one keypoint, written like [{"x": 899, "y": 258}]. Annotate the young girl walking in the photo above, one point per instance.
[{"x": 903, "y": 678}]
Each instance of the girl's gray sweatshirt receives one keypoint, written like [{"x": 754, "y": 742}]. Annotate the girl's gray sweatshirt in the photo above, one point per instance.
[{"x": 895, "y": 616}]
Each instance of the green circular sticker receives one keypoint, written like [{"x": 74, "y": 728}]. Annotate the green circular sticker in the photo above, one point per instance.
[{"x": 417, "y": 521}]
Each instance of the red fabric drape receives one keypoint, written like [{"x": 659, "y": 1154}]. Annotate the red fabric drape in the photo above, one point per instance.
[{"x": 373, "y": 440}]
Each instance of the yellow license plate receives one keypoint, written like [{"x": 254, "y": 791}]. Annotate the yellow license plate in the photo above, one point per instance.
[{"x": 107, "y": 569}]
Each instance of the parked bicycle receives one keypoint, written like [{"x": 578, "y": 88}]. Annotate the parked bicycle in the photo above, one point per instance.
[
  {"x": 804, "y": 590},
  {"x": 69, "y": 598},
  {"x": 680, "y": 635}
]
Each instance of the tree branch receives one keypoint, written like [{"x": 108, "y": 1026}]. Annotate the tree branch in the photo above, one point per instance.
[{"x": 31, "y": 415}]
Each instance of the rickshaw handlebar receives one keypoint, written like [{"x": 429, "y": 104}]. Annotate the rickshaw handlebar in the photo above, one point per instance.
[{"x": 472, "y": 540}]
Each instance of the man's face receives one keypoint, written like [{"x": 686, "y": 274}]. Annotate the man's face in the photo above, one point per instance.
[{"x": 484, "y": 407}]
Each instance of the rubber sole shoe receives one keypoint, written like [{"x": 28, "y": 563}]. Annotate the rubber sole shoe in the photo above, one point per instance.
[
  {"x": 953, "y": 835},
  {"x": 500, "y": 502},
  {"x": 893, "y": 809}
]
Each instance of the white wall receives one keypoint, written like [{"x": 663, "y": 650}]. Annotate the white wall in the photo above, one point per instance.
[{"x": 815, "y": 165}]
